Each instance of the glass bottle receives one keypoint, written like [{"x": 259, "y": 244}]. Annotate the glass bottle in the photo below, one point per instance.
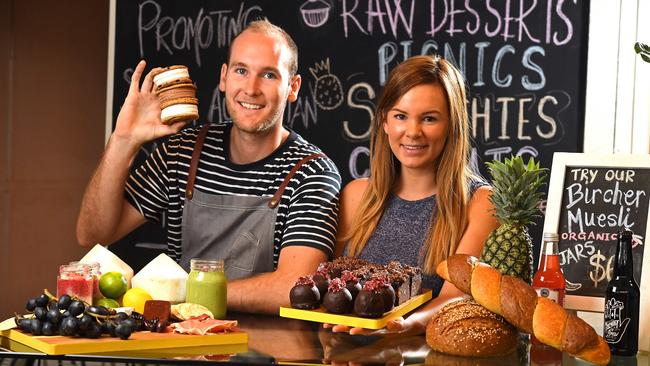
[
  {"x": 621, "y": 328},
  {"x": 76, "y": 280},
  {"x": 549, "y": 280},
  {"x": 207, "y": 285}
]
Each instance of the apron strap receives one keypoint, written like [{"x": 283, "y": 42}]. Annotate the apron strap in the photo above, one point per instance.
[
  {"x": 275, "y": 200},
  {"x": 194, "y": 164}
]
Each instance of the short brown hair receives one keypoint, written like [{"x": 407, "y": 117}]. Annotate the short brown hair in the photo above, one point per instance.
[{"x": 270, "y": 29}]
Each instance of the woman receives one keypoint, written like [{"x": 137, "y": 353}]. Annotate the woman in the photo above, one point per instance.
[{"x": 421, "y": 202}]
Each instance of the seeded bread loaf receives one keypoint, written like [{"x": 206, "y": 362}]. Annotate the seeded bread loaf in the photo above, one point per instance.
[{"x": 465, "y": 328}]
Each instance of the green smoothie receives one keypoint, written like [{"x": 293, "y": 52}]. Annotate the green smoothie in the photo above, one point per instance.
[{"x": 207, "y": 285}]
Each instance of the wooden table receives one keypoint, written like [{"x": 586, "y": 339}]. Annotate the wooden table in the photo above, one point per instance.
[{"x": 275, "y": 340}]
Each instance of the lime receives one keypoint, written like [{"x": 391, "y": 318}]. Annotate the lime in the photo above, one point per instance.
[
  {"x": 112, "y": 284},
  {"x": 108, "y": 303},
  {"x": 135, "y": 298}
]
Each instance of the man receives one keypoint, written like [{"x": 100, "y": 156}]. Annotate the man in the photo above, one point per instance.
[{"x": 219, "y": 202}]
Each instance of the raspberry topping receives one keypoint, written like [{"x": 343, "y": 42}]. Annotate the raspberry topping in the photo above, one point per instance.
[
  {"x": 336, "y": 285},
  {"x": 305, "y": 280}
]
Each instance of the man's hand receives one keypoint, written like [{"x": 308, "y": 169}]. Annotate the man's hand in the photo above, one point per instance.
[{"x": 139, "y": 119}]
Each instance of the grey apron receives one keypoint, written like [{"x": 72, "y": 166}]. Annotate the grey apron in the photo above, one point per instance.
[{"x": 238, "y": 229}]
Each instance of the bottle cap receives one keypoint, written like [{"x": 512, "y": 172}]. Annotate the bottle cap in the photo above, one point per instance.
[
  {"x": 551, "y": 237},
  {"x": 626, "y": 233}
]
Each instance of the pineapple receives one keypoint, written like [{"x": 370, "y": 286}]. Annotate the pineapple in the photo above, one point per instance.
[{"x": 515, "y": 198}]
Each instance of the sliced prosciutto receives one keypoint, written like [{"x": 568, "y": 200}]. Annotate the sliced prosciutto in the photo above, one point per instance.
[{"x": 204, "y": 324}]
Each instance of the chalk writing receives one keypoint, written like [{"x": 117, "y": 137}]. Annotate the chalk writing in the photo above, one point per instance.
[
  {"x": 303, "y": 110},
  {"x": 509, "y": 21},
  {"x": 176, "y": 33},
  {"x": 355, "y": 101},
  {"x": 353, "y": 164},
  {"x": 380, "y": 12}
]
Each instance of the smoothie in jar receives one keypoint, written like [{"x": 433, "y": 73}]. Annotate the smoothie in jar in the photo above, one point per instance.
[
  {"x": 207, "y": 285},
  {"x": 76, "y": 280}
]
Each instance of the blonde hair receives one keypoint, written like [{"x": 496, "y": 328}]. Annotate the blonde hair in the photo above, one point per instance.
[{"x": 452, "y": 174}]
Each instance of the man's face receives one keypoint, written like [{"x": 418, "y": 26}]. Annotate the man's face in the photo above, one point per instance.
[{"x": 257, "y": 82}]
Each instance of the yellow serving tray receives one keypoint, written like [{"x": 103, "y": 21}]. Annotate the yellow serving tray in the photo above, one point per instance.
[
  {"x": 59, "y": 345},
  {"x": 322, "y": 316}
]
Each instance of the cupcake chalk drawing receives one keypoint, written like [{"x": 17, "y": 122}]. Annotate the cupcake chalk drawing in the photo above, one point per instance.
[
  {"x": 315, "y": 12},
  {"x": 328, "y": 89}
]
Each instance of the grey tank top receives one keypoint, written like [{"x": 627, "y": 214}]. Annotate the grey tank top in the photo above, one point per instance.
[{"x": 401, "y": 232}]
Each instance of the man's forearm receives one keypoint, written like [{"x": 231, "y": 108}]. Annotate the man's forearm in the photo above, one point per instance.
[
  {"x": 264, "y": 293},
  {"x": 103, "y": 199}
]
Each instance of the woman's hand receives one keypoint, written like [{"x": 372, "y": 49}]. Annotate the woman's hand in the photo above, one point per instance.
[
  {"x": 395, "y": 326},
  {"x": 139, "y": 118}
]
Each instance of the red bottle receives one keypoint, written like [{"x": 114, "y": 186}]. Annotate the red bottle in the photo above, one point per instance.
[{"x": 549, "y": 279}]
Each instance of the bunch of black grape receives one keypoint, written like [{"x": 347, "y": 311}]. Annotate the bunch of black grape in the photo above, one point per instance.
[{"x": 68, "y": 316}]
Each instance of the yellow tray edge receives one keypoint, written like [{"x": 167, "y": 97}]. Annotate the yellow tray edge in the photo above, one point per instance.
[
  {"x": 184, "y": 352},
  {"x": 125, "y": 345},
  {"x": 353, "y": 321}
]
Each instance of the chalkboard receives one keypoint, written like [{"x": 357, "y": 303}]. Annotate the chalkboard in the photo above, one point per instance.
[
  {"x": 591, "y": 199},
  {"x": 525, "y": 64}
]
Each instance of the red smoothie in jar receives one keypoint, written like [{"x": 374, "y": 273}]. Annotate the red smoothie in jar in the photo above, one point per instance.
[
  {"x": 76, "y": 280},
  {"x": 97, "y": 274}
]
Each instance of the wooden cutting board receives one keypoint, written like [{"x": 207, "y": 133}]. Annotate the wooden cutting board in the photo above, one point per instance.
[{"x": 58, "y": 345}]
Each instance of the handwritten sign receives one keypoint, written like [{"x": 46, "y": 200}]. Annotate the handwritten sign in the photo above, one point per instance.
[
  {"x": 524, "y": 64},
  {"x": 591, "y": 198},
  {"x": 596, "y": 204}
]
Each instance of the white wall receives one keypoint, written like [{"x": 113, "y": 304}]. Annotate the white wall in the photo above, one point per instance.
[{"x": 617, "y": 106}]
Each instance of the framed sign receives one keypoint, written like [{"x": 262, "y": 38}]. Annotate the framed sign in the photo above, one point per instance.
[{"x": 591, "y": 198}]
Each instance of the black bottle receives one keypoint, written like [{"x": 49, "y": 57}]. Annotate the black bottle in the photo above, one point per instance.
[{"x": 621, "y": 330}]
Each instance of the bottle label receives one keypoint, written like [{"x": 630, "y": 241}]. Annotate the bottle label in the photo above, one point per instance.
[
  {"x": 549, "y": 293},
  {"x": 615, "y": 321}
]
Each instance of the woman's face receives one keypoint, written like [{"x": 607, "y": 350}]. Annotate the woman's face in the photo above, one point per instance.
[{"x": 417, "y": 127}]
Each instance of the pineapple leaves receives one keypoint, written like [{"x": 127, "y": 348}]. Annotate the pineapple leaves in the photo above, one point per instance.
[
  {"x": 515, "y": 189},
  {"x": 643, "y": 50}
]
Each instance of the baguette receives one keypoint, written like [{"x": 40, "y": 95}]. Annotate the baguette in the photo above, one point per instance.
[{"x": 519, "y": 304}]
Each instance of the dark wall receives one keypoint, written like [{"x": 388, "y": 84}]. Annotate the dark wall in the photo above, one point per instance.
[{"x": 52, "y": 120}]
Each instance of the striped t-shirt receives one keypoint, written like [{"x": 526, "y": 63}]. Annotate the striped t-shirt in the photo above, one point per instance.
[{"x": 307, "y": 213}]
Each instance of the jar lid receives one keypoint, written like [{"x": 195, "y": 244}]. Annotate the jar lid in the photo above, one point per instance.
[
  {"x": 206, "y": 264},
  {"x": 75, "y": 268},
  {"x": 92, "y": 265}
]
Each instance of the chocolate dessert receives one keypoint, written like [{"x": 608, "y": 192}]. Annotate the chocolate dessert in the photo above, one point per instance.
[
  {"x": 387, "y": 292},
  {"x": 370, "y": 300},
  {"x": 338, "y": 299},
  {"x": 351, "y": 283},
  {"x": 415, "y": 276},
  {"x": 345, "y": 263},
  {"x": 322, "y": 278},
  {"x": 346, "y": 276},
  {"x": 400, "y": 282},
  {"x": 304, "y": 295}
]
